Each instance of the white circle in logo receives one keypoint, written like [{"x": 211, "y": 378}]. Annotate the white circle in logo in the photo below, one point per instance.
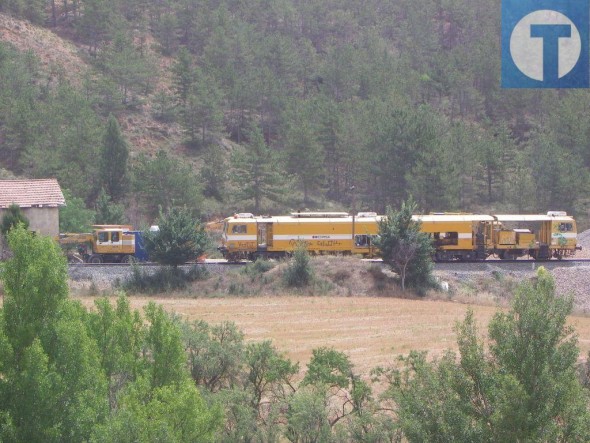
[{"x": 527, "y": 51}]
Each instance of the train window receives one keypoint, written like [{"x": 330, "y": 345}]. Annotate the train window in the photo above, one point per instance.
[
  {"x": 446, "y": 238},
  {"x": 565, "y": 227},
  {"x": 239, "y": 229},
  {"x": 361, "y": 241},
  {"x": 114, "y": 237},
  {"x": 103, "y": 236}
]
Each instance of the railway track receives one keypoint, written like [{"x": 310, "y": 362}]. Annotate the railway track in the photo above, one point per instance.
[{"x": 520, "y": 262}]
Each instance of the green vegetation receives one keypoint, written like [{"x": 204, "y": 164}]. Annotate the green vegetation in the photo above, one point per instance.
[
  {"x": 299, "y": 272},
  {"x": 13, "y": 217},
  {"x": 113, "y": 160},
  {"x": 163, "y": 280},
  {"x": 107, "y": 211},
  {"x": 180, "y": 238},
  {"x": 404, "y": 248},
  {"x": 74, "y": 217},
  {"x": 524, "y": 388},
  {"x": 71, "y": 375},
  {"x": 114, "y": 375},
  {"x": 352, "y": 106}
]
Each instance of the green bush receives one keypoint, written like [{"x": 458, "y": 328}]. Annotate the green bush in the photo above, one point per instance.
[
  {"x": 12, "y": 218},
  {"x": 299, "y": 273},
  {"x": 259, "y": 267},
  {"x": 165, "y": 279}
]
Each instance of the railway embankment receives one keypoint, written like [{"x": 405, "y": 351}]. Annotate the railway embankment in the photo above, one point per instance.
[{"x": 495, "y": 277}]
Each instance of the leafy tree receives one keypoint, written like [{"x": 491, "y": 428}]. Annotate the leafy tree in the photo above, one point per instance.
[
  {"x": 269, "y": 374},
  {"x": 404, "y": 248},
  {"x": 119, "y": 334},
  {"x": 180, "y": 238},
  {"x": 107, "y": 211},
  {"x": 332, "y": 372},
  {"x": 538, "y": 350},
  {"x": 52, "y": 385},
  {"x": 13, "y": 217},
  {"x": 173, "y": 413},
  {"x": 524, "y": 389},
  {"x": 307, "y": 417},
  {"x": 163, "y": 340},
  {"x": 257, "y": 172},
  {"x": 113, "y": 160},
  {"x": 35, "y": 284},
  {"x": 74, "y": 217},
  {"x": 215, "y": 354}
]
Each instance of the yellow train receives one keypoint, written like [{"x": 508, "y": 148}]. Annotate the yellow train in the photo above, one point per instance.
[
  {"x": 465, "y": 237},
  {"x": 105, "y": 244}
]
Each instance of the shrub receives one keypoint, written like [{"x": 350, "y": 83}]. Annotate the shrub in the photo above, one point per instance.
[
  {"x": 180, "y": 238},
  {"x": 299, "y": 272},
  {"x": 164, "y": 279},
  {"x": 260, "y": 266}
]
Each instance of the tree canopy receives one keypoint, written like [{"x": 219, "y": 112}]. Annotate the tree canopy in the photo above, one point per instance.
[{"x": 406, "y": 249}]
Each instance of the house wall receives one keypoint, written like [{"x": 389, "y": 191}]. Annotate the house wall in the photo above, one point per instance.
[{"x": 44, "y": 221}]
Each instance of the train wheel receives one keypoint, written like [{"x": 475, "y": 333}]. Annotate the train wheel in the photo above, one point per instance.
[{"x": 96, "y": 259}]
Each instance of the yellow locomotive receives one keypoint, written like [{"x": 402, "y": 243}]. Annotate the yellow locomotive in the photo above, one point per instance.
[
  {"x": 466, "y": 237},
  {"x": 105, "y": 244}
]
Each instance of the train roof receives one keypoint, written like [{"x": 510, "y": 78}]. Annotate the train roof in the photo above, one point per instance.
[
  {"x": 306, "y": 219},
  {"x": 531, "y": 217},
  {"x": 429, "y": 218}
]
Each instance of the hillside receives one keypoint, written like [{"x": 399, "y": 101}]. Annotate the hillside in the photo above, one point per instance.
[{"x": 270, "y": 106}]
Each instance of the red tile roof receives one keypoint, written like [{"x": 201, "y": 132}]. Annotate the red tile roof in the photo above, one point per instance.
[{"x": 31, "y": 193}]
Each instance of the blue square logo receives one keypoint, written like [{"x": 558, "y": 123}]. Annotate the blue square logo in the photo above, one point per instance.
[{"x": 545, "y": 44}]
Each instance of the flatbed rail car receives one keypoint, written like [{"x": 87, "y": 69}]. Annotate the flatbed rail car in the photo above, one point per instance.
[{"x": 465, "y": 237}]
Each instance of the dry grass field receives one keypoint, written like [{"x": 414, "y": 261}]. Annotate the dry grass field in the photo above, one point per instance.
[{"x": 371, "y": 330}]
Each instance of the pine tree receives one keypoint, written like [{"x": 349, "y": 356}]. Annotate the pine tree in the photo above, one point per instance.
[
  {"x": 130, "y": 67},
  {"x": 165, "y": 182},
  {"x": 305, "y": 153},
  {"x": 202, "y": 113},
  {"x": 214, "y": 174},
  {"x": 183, "y": 75},
  {"x": 404, "y": 248},
  {"x": 180, "y": 238},
  {"x": 113, "y": 160},
  {"x": 257, "y": 172}
]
